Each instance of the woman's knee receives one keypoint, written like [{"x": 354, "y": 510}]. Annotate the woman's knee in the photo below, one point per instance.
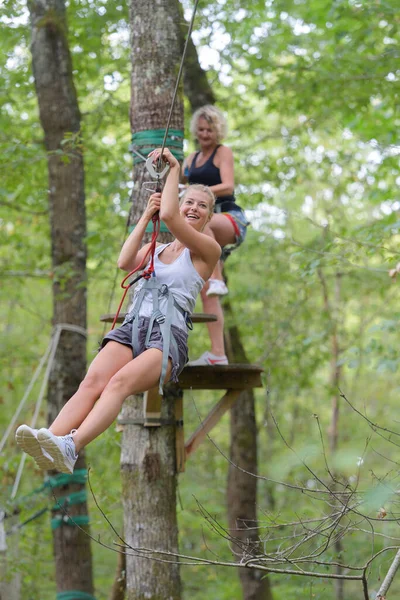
[
  {"x": 93, "y": 383},
  {"x": 119, "y": 383}
]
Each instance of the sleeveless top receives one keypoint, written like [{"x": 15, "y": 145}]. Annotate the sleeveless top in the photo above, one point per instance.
[
  {"x": 208, "y": 174},
  {"x": 183, "y": 281}
]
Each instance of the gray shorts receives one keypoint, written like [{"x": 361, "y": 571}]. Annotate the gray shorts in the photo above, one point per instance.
[{"x": 123, "y": 335}]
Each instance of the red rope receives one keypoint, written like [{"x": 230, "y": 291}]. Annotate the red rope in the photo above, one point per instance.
[{"x": 149, "y": 271}]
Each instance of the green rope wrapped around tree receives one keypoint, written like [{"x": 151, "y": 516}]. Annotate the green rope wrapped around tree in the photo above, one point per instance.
[
  {"x": 78, "y": 476},
  {"x": 71, "y": 499},
  {"x": 74, "y": 595},
  {"x": 146, "y": 141},
  {"x": 70, "y": 521}
]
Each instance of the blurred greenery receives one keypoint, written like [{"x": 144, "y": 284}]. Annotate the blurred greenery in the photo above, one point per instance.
[{"x": 311, "y": 91}]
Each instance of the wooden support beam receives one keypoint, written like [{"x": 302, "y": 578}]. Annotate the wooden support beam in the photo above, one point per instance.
[
  {"x": 211, "y": 420},
  {"x": 152, "y": 408}
]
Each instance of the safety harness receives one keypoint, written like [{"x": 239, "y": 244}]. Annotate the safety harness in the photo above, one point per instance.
[{"x": 158, "y": 290}]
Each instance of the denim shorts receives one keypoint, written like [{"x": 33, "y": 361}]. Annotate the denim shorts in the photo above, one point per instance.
[
  {"x": 239, "y": 218},
  {"x": 242, "y": 223},
  {"x": 123, "y": 335}
]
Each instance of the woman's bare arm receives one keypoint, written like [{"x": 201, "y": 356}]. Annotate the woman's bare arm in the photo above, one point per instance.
[{"x": 131, "y": 254}]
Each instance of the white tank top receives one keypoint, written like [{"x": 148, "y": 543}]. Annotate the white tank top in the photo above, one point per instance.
[{"x": 183, "y": 281}]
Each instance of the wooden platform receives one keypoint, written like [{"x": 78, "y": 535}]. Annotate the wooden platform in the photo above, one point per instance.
[
  {"x": 196, "y": 317},
  {"x": 221, "y": 377},
  {"x": 233, "y": 378}
]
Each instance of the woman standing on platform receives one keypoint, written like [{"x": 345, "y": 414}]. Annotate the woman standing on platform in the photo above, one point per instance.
[{"x": 213, "y": 166}]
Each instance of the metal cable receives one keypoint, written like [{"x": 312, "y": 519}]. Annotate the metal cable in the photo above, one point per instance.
[{"x": 179, "y": 77}]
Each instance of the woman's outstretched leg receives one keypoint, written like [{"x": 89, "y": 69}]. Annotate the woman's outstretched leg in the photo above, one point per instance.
[
  {"x": 108, "y": 361},
  {"x": 138, "y": 375}
]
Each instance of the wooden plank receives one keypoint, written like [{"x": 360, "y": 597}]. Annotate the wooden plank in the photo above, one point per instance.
[
  {"x": 211, "y": 420},
  {"x": 221, "y": 377},
  {"x": 196, "y": 317},
  {"x": 152, "y": 408},
  {"x": 180, "y": 435}
]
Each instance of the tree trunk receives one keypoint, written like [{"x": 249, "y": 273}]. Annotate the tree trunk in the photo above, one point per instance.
[
  {"x": 332, "y": 312},
  {"x": 10, "y": 580},
  {"x": 336, "y": 371},
  {"x": 119, "y": 585},
  {"x": 149, "y": 498},
  {"x": 60, "y": 119},
  {"x": 148, "y": 454},
  {"x": 242, "y": 488}
]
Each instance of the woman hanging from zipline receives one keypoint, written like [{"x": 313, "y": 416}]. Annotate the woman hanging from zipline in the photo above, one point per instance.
[
  {"x": 213, "y": 166},
  {"x": 151, "y": 344}
]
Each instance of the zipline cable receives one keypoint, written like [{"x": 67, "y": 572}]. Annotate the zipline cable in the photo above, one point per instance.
[{"x": 179, "y": 76}]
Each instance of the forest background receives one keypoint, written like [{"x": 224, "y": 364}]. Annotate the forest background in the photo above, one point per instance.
[{"x": 311, "y": 91}]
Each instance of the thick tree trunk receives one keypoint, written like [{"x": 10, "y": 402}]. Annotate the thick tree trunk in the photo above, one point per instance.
[
  {"x": 242, "y": 488},
  {"x": 60, "y": 118},
  {"x": 149, "y": 497},
  {"x": 148, "y": 454}
]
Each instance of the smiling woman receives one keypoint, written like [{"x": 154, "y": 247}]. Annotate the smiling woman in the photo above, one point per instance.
[
  {"x": 151, "y": 344},
  {"x": 196, "y": 196},
  {"x": 212, "y": 166}
]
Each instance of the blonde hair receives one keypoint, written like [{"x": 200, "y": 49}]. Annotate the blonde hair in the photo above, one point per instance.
[
  {"x": 214, "y": 117},
  {"x": 201, "y": 188}
]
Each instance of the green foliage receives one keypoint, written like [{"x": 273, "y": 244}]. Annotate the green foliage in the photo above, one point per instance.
[{"x": 311, "y": 92}]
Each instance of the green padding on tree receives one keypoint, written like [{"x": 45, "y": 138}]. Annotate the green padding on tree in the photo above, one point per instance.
[
  {"x": 146, "y": 141},
  {"x": 78, "y": 476},
  {"x": 74, "y": 595},
  {"x": 149, "y": 228},
  {"x": 149, "y": 136},
  {"x": 71, "y": 521},
  {"x": 71, "y": 499}
]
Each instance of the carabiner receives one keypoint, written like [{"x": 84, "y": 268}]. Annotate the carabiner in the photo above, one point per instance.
[{"x": 150, "y": 166}]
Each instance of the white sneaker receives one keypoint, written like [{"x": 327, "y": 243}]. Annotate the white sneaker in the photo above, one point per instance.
[
  {"x": 26, "y": 438},
  {"x": 216, "y": 288},
  {"x": 61, "y": 449},
  {"x": 208, "y": 359}
]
